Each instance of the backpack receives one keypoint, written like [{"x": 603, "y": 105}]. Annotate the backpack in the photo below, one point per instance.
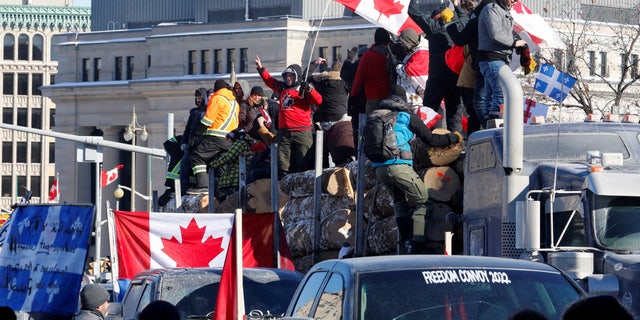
[{"x": 380, "y": 142}]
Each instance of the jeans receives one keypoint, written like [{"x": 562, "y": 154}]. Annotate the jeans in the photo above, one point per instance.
[
  {"x": 493, "y": 91},
  {"x": 480, "y": 99}
]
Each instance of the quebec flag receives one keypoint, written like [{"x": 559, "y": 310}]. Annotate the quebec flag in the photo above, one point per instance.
[
  {"x": 42, "y": 258},
  {"x": 554, "y": 83}
]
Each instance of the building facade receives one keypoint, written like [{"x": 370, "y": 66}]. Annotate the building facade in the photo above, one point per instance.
[
  {"x": 27, "y": 63},
  {"x": 156, "y": 67}
]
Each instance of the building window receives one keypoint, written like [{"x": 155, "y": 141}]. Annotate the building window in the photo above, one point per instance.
[
  {"x": 7, "y": 152},
  {"x": 205, "y": 61},
  {"x": 35, "y": 186},
  {"x": 52, "y": 117},
  {"x": 603, "y": 64},
  {"x": 9, "y": 46},
  {"x": 97, "y": 67},
  {"x": 23, "y": 84},
  {"x": 336, "y": 54},
  {"x": 23, "y": 47},
  {"x": 38, "y": 48},
  {"x": 118, "y": 67},
  {"x": 7, "y": 115},
  {"x": 244, "y": 60},
  {"x": 36, "y": 83},
  {"x": 592, "y": 63},
  {"x": 23, "y": 117},
  {"x": 623, "y": 64},
  {"x": 21, "y": 152},
  {"x": 634, "y": 66},
  {"x": 85, "y": 70},
  {"x": 52, "y": 152},
  {"x": 22, "y": 184},
  {"x": 7, "y": 83},
  {"x": 36, "y": 118},
  {"x": 192, "y": 61},
  {"x": 6, "y": 186},
  {"x": 36, "y": 152},
  {"x": 217, "y": 61},
  {"x": 323, "y": 52},
  {"x": 231, "y": 59},
  {"x": 130, "y": 65}
]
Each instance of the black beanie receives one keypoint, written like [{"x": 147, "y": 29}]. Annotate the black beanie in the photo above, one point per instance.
[
  {"x": 257, "y": 90},
  {"x": 219, "y": 84},
  {"x": 382, "y": 36},
  {"x": 93, "y": 296}
]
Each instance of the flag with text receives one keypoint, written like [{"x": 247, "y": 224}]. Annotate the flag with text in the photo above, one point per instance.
[{"x": 554, "y": 83}]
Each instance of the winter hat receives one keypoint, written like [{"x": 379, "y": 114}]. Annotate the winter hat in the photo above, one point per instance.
[
  {"x": 409, "y": 38},
  {"x": 93, "y": 296},
  {"x": 219, "y": 84},
  {"x": 382, "y": 36},
  {"x": 257, "y": 90}
]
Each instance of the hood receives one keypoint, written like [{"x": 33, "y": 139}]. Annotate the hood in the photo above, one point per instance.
[
  {"x": 297, "y": 71},
  {"x": 246, "y": 89},
  {"x": 203, "y": 93},
  {"x": 225, "y": 92},
  {"x": 394, "y": 103}
]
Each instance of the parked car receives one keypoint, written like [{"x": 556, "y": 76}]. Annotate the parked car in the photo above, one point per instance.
[
  {"x": 194, "y": 291},
  {"x": 423, "y": 287}
]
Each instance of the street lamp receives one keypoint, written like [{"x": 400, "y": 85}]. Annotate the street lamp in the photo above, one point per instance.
[
  {"x": 119, "y": 193},
  {"x": 130, "y": 134}
]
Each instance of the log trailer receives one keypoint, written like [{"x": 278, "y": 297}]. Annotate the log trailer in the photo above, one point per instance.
[{"x": 567, "y": 194}]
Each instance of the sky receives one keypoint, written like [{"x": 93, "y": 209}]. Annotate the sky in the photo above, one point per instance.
[{"x": 82, "y": 3}]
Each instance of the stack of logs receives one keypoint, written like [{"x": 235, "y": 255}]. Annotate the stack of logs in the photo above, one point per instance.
[{"x": 440, "y": 169}]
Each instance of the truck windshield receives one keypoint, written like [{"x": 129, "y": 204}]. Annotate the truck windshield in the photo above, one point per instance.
[
  {"x": 463, "y": 294},
  {"x": 571, "y": 146},
  {"x": 617, "y": 223}
]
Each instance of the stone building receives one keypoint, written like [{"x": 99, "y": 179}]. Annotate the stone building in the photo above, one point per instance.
[{"x": 27, "y": 63}]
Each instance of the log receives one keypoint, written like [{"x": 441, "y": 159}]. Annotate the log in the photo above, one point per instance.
[
  {"x": 338, "y": 228},
  {"x": 378, "y": 203},
  {"x": 335, "y": 181},
  {"x": 302, "y": 208},
  {"x": 259, "y": 196},
  {"x": 369, "y": 174},
  {"x": 382, "y": 237},
  {"x": 442, "y": 183}
]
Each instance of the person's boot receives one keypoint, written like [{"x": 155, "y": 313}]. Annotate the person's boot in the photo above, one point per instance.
[
  {"x": 202, "y": 184},
  {"x": 404, "y": 233},
  {"x": 165, "y": 197}
]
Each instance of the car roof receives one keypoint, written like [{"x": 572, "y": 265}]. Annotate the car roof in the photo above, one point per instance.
[
  {"x": 255, "y": 274},
  {"x": 382, "y": 263}
]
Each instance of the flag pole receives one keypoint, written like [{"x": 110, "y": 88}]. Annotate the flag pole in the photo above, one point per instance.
[
  {"x": 113, "y": 250},
  {"x": 238, "y": 243}
]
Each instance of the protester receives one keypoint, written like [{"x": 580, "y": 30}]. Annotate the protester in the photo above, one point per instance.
[
  {"x": 173, "y": 148},
  {"x": 159, "y": 310},
  {"x": 442, "y": 80},
  {"x": 228, "y": 161},
  {"x": 241, "y": 92},
  {"x": 597, "y": 308},
  {"x": 355, "y": 104},
  {"x": 94, "y": 302},
  {"x": 496, "y": 42},
  {"x": 220, "y": 118},
  {"x": 260, "y": 117},
  {"x": 402, "y": 180},
  {"x": 374, "y": 71},
  {"x": 414, "y": 69},
  {"x": 294, "y": 136},
  {"x": 332, "y": 114},
  {"x": 195, "y": 116}
]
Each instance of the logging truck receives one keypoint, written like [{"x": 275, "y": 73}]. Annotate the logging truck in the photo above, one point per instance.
[{"x": 565, "y": 194}]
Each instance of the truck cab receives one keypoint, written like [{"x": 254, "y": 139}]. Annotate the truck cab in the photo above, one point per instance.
[{"x": 574, "y": 203}]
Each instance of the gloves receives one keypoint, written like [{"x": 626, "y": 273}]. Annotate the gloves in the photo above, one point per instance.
[
  {"x": 446, "y": 15},
  {"x": 305, "y": 88},
  {"x": 266, "y": 135}
]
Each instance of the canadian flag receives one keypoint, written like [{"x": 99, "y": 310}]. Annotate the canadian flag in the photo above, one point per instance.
[
  {"x": 533, "y": 29},
  {"x": 54, "y": 197},
  {"x": 390, "y": 14},
  {"x": 111, "y": 175},
  {"x": 413, "y": 72},
  {"x": 148, "y": 240}
]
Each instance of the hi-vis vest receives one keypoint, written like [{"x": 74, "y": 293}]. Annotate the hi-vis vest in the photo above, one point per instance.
[{"x": 220, "y": 127}]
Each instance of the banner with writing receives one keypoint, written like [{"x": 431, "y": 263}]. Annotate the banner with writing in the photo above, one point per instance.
[{"x": 43, "y": 258}]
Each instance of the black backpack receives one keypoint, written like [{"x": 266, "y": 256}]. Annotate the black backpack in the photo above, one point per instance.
[{"x": 380, "y": 142}]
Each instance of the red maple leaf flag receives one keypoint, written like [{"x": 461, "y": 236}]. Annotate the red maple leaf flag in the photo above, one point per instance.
[
  {"x": 111, "y": 175},
  {"x": 54, "y": 196},
  {"x": 534, "y": 29},
  {"x": 389, "y": 14},
  {"x": 148, "y": 240}
]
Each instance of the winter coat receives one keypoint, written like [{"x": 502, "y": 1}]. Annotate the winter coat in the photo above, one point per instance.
[
  {"x": 372, "y": 73},
  {"x": 195, "y": 116},
  {"x": 439, "y": 40},
  {"x": 495, "y": 34},
  {"x": 222, "y": 114},
  {"x": 294, "y": 112},
  {"x": 89, "y": 315},
  {"x": 406, "y": 126},
  {"x": 335, "y": 94}
]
